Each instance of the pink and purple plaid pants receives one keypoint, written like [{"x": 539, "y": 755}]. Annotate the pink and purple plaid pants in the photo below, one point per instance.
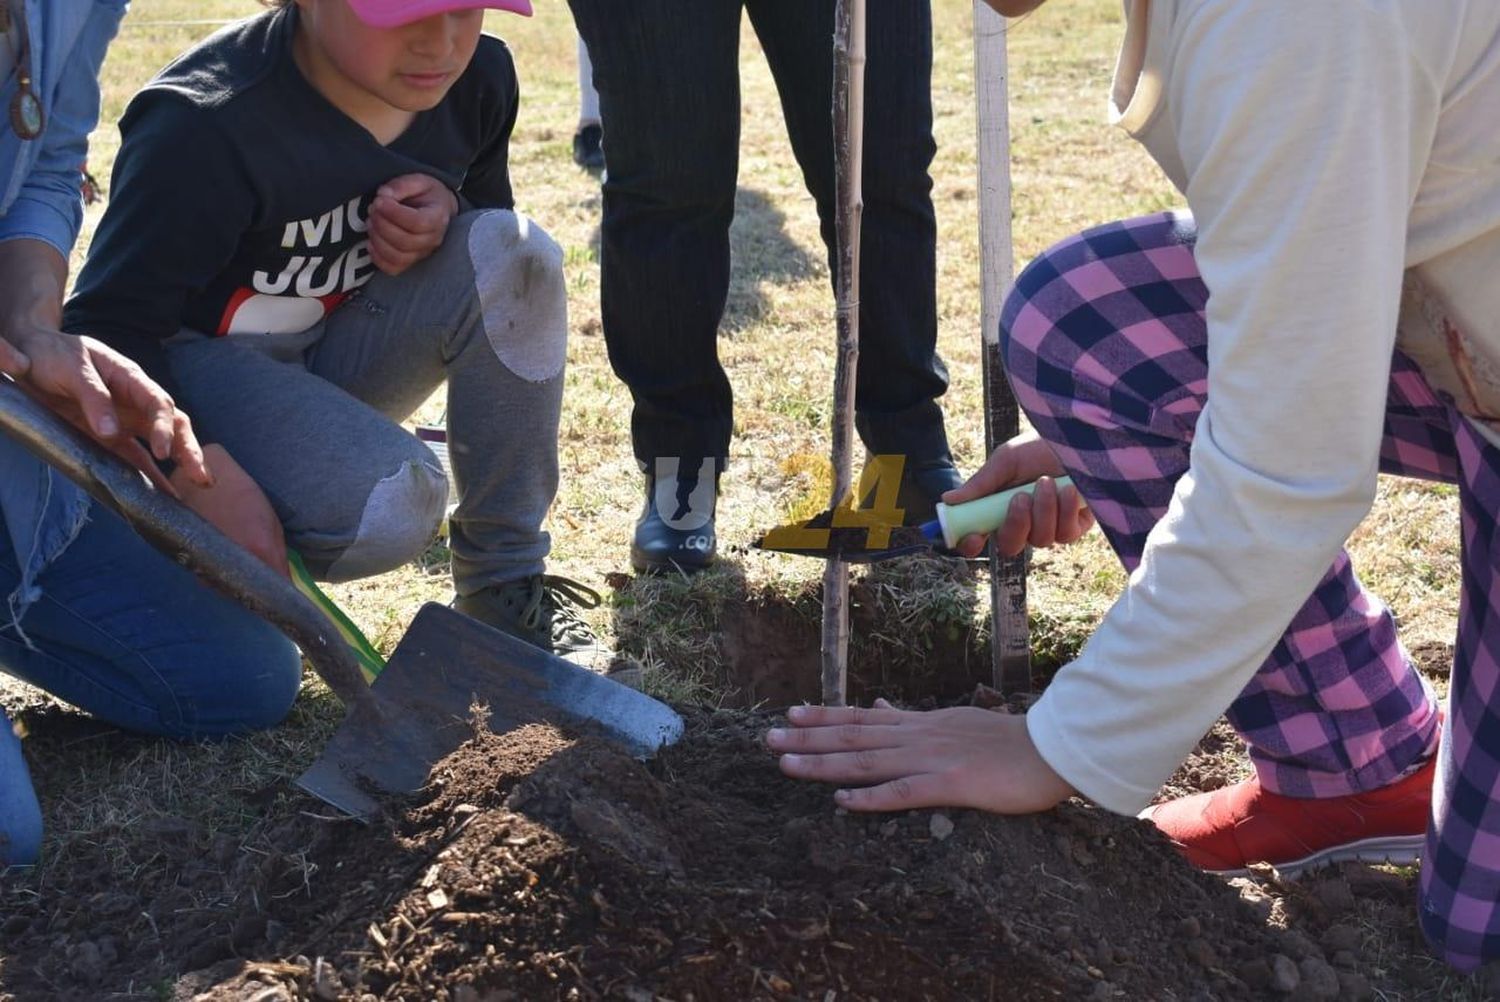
[{"x": 1106, "y": 346}]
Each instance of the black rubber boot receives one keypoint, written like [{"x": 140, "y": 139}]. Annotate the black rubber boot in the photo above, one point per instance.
[{"x": 676, "y": 527}]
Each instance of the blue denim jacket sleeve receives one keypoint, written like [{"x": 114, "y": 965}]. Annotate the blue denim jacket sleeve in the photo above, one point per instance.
[
  {"x": 69, "y": 42},
  {"x": 39, "y": 199}
]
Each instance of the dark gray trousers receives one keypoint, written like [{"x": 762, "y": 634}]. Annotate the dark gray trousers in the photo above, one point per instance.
[{"x": 313, "y": 416}]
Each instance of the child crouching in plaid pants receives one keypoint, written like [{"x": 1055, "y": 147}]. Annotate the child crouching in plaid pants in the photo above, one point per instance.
[{"x": 1224, "y": 389}]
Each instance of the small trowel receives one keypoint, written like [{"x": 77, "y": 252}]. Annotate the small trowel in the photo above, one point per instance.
[{"x": 859, "y": 537}]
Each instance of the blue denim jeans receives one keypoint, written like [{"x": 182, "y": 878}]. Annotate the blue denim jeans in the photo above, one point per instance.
[
  {"x": 667, "y": 72},
  {"x": 128, "y": 635}
]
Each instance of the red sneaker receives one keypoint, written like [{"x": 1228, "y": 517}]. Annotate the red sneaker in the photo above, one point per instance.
[{"x": 1226, "y": 830}]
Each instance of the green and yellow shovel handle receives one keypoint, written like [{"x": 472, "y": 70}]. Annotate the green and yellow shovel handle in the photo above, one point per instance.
[
  {"x": 982, "y": 516},
  {"x": 371, "y": 664}
]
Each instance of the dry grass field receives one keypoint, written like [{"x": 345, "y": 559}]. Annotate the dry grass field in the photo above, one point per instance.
[{"x": 104, "y": 796}]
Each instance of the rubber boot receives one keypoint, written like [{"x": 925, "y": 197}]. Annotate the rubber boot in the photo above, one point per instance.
[{"x": 676, "y": 527}]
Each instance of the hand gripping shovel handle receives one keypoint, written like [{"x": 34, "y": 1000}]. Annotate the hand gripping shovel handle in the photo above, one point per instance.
[
  {"x": 187, "y": 538},
  {"x": 982, "y": 516}
]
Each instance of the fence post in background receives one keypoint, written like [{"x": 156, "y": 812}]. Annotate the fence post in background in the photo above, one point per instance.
[{"x": 1010, "y": 632}]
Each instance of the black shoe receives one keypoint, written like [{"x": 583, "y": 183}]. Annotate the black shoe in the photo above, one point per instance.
[
  {"x": 588, "y": 146},
  {"x": 676, "y": 527}
]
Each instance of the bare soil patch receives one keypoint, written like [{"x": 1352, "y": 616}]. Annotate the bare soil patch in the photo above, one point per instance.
[
  {"x": 918, "y": 634},
  {"x": 771, "y": 654},
  {"x": 547, "y": 865}
]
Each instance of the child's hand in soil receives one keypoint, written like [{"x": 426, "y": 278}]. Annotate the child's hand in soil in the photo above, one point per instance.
[
  {"x": 904, "y": 759},
  {"x": 1047, "y": 516},
  {"x": 237, "y": 507},
  {"x": 408, "y": 220}
]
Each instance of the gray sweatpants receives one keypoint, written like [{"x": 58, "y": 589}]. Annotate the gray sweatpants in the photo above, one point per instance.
[{"x": 313, "y": 416}]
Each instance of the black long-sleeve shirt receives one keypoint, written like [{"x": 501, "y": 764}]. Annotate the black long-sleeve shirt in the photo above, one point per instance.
[{"x": 240, "y": 194}]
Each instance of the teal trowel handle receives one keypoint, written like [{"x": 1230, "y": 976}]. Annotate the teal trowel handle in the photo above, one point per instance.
[{"x": 982, "y": 516}]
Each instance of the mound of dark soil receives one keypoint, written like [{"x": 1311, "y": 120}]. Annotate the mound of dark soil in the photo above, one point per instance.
[{"x": 541, "y": 865}]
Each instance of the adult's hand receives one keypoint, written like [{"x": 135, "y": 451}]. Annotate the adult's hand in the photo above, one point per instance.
[
  {"x": 237, "y": 507},
  {"x": 108, "y": 398},
  {"x": 408, "y": 221},
  {"x": 100, "y": 392},
  {"x": 904, "y": 759},
  {"x": 1048, "y": 516}
]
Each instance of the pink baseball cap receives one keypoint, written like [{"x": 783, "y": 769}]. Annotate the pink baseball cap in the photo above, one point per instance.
[{"x": 394, "y": 13}]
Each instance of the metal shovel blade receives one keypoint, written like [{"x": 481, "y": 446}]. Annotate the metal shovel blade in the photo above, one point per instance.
[
  {"x": 850, "y": 549},
  {"x": 851, "y": 535},
  {"x": 446, "y": 664},
  {"x": 418, "y": 709}
]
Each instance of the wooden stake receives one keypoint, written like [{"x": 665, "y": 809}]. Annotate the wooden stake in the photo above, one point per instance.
[
  {"x": 848, "y": 152},
  {"x": 1011, "y": 641}
]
